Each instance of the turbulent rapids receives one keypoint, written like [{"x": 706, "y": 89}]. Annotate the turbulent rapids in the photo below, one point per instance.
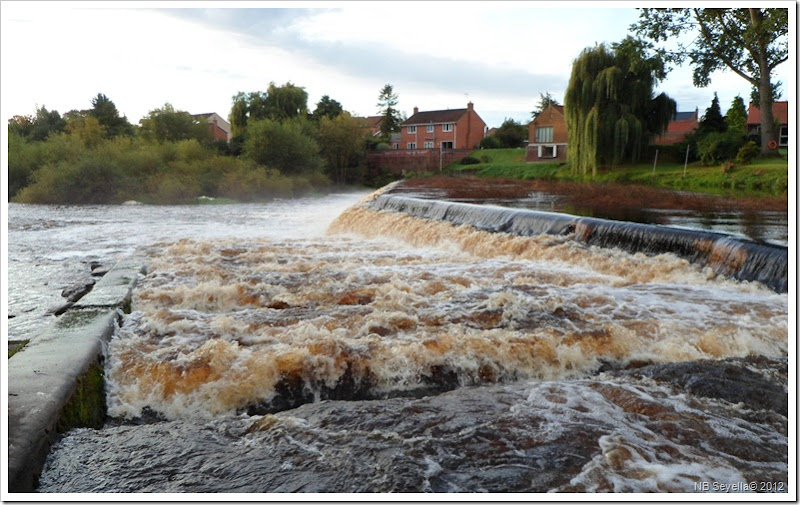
[{"x": 455, "y": 354}]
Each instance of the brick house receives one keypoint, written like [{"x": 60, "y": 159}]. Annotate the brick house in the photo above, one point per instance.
[
  {"x": 373, "y": 124},
  {"x": 780, "y": 113},
  {"x": 681, "y": 125},
  {"x": 441, "y": 129},
  {"x": 547, "y": 136},
  {"x": 220, "y": 129}
]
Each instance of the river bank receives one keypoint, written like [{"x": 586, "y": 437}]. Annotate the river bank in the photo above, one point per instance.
[{"x": 763, "y": 178}]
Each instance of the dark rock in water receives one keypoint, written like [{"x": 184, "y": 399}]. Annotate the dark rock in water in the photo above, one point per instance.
[
  {"x": 12, "y": 316},
  {"x": 100, "y": 271},
  {"x": 75, "y": 293},
  {"x": 732, "y": 380}
]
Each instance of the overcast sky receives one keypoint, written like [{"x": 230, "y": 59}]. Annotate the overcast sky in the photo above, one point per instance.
[{"x": 197, "y": 55}]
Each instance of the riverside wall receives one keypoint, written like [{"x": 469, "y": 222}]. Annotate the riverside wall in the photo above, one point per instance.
[{"x": 56, "y": 382}]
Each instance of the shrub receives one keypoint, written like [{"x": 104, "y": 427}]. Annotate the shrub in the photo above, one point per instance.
[
  {"x": 469, "y": 160},
  {"x": 490, "y": 143},
  {"x": 716, "y": 147},
  {"x": 89, "y": 180},
  {"x": 747, "y": 153}
]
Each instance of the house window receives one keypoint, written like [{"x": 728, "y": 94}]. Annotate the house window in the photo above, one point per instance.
[
  {"x": 395, "y": 146},
  {"x": 428, "y": 145},
  {"x": 411, "y": 129},
  {"x": 447, "y": 145},
  {"x": 543, "y": 134},
  {"x": 783, "y": 140},
  {"x": 547, "y": 151},
  {"x": 430, "y": 128},
  {"x": 412, "y": 145},
  {"x": 447, "y": 127}
]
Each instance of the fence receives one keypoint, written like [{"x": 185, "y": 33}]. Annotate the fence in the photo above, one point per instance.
[{"x": 401, "y": 161}]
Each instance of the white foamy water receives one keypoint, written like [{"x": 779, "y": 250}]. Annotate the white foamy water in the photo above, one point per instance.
[{"x": 396, "y": 354}]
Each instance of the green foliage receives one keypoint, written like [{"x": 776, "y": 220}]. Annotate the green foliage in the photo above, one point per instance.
[
  {"x": 511, "y": 133},
  {"x": 390, "y": 117},
  {"x": 736, "y": 116},
  {"x": 105, "y": 112},
  {"x": 327, "y": 107},
  {"x": 469, "y": 160},
  {"x": 168, "y": 125},
  {"x": 716, "y": 147},
  {"x": 747, "y": 153},
  {"x": 287, "y": 146},
  {"x": 342, "y": 143},
  {"x": 609, "y": 106},
  {"x": 39, "y": 126},
  {"x": 286, "y": 102},
  {"x": 712, "y": 120},
  {"x": 490, "y": 143}
]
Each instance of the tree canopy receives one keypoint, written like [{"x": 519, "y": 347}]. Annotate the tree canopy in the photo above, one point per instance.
[
  {"x": 512, "y": 134},
  {"x": 327, "y": 107},
  {"x": 104, "y": 110},
  {"x": 165, "y": 124},
  {"x": 750, "y": 42},
  {"x": 712, "y": 120},
  {"x": 736, "y": 116},
  {"x": 610, "y": 107}
]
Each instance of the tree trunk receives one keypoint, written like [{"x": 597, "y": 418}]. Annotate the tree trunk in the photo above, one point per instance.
[{"x": 764, "y": 88}]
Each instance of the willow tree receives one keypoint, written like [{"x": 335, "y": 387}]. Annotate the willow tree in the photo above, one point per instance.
[{"x": 610, "y": 106}]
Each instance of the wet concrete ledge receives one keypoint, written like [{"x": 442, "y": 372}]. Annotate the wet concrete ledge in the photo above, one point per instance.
[{"x": 55, "y": 382}]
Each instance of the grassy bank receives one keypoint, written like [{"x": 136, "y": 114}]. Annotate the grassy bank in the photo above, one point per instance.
[{"x": 762, "y": 178}]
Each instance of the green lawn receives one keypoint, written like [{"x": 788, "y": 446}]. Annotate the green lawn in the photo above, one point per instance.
[{"x": 763, "y": 177}]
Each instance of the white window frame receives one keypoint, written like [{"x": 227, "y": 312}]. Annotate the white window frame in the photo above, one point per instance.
[
  {"x": 443, "y": 146},
  {"x": 539, "y": 137},
  {"x": 428, "y": 145},
  {"x": 411, "y": 129},
  {"x": 396, "y": 145},
  {"x": 543, "y": 151},
  {"x": 430, "y": 128},
  {"x": 411, "y": 145},
  {"x": 447, "y": 127}
]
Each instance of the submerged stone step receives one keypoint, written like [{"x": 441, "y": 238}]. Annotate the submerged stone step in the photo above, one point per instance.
[{"x": 55, "y": 382}]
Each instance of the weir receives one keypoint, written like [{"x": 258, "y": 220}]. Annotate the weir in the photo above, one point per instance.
[{"x": 726, "y": 255}]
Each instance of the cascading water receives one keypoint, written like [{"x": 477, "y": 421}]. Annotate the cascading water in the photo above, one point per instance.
[{"x": 416, "y": 349}]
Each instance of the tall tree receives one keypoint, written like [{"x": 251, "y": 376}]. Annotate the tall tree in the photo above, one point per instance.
[
  {"x": 107, "y": 115},
  {"x": 390, "y": 117},
  {"x": 341, "y": 141},
  {"x": 327, "y": 107},
  {"x": 712, "y": 120},
  {"x": 750, "y": 42},
  {"x": 545, "y": 101},
  {"x": 610, "y": 107},
  {"x": 286, "y": 102},
  {"x": 736, "y": 116}
]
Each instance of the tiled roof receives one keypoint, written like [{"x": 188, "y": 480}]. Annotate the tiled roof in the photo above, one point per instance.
[
  {"x": 435, "y": 116},
  {"x": 683, "y": 116},
  {"x": 780, "y": 112}
]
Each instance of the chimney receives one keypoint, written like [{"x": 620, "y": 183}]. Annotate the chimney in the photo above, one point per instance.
[
  {"x": 469, "y": 106},
  {"x": 416, "y": 109}
]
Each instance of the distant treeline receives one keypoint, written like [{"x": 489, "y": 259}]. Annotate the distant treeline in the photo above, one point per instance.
[{"x": 96, "y": 156}]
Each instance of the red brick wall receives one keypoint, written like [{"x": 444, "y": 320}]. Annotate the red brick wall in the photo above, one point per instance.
[
  {"x": 551, "y": 116},
  {"x": 401, "y": 161}
]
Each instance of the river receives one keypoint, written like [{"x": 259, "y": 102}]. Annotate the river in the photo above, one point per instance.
[{"x": 315, "y": 345}]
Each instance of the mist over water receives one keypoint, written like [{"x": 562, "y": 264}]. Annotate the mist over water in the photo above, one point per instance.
[{"x": 336, "y": 348}]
